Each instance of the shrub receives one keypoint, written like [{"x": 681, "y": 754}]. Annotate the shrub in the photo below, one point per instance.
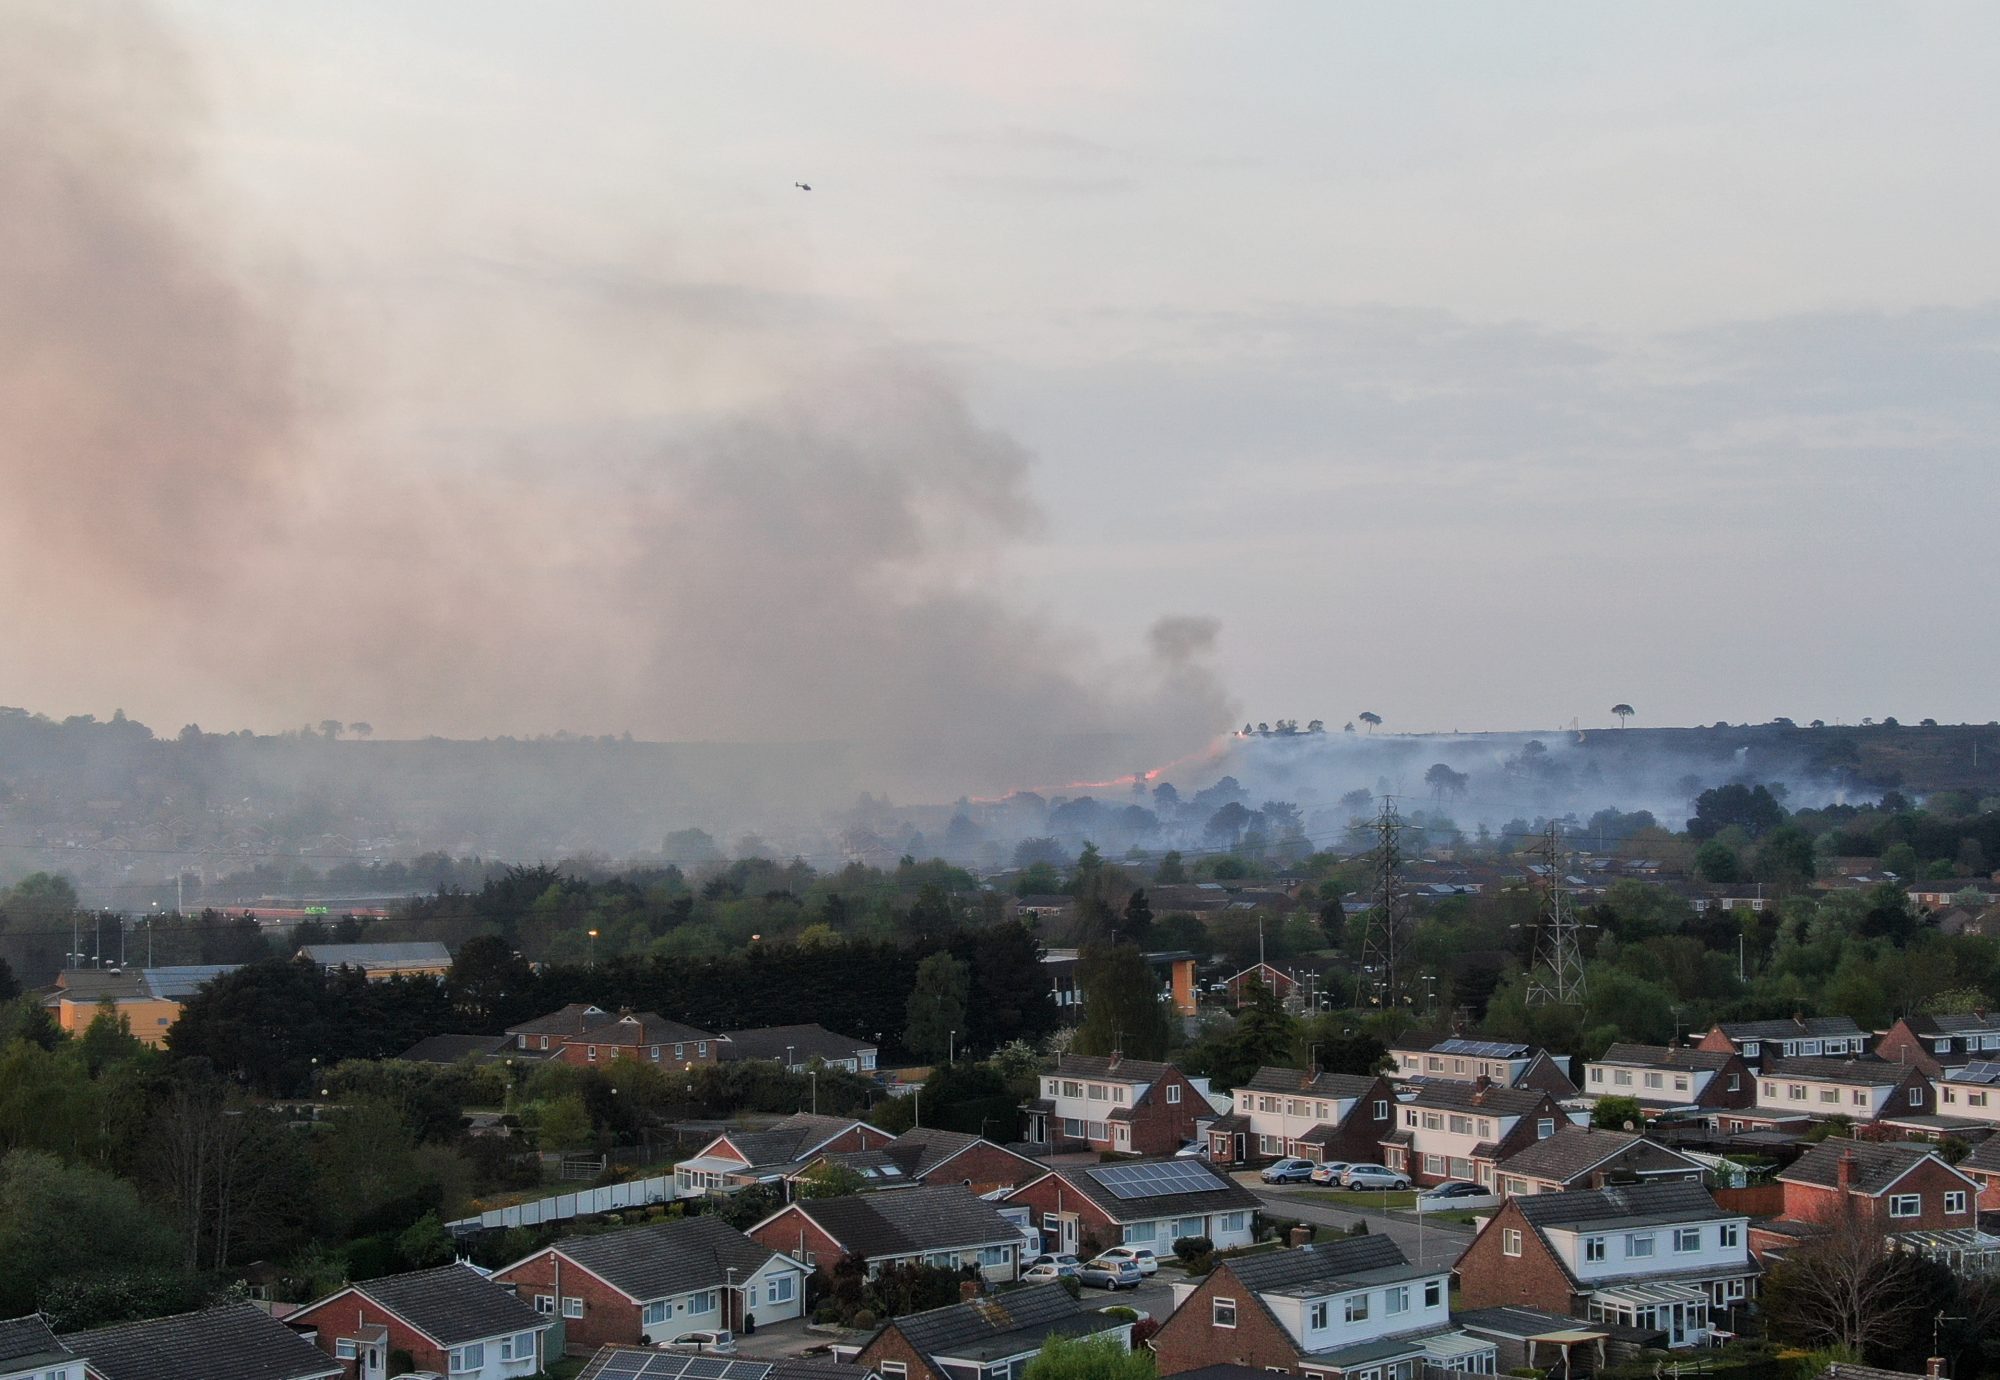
[
  {"x": 1120, "y": 1311},
  {"x": 1188, "y": 1247},
  {"x": 401, "y": 1362},
  {"x": 863, "y": 1319},
  {"x": 826, "y": 1313},
  {"x": 1073, "y": 1284}
]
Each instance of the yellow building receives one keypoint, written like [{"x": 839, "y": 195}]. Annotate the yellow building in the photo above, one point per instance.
[{"x": 148, "y": 998}]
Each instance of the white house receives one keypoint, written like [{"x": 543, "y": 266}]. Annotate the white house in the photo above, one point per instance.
[
  {"x": 1322, "y": 1116},
  {"x": 451, "y": 1318},
  {"x": 1461, "y": 1130},
  {"x": 29, "y": 1351},
  {"x": 1971, "y": 1091},
  {"x": 1151, "y": 1203},
  {"x": 1860, "y": 1089}
]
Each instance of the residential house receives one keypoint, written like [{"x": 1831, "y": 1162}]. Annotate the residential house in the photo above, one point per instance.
[
  {"x": 1352, "y": 1309},
  {"x": 1936, "y": 1043},
  {"x": 1278, "y": 982},
  {"x": 939, "y": 1224},
  {"x": 737, "y": 1159},
  {"x": 149, "y": 999},
  {"x": 1859, "y": 1089},
  {"x": 645, "y": 1036},
  {"x": 1582, "y": 1157},
  {"x": 1455, "y": 1059},
  {"x": 651, "y": 1283},
  {"x": 1109, "y": 1102},
  {"x": 547, "y": 1034},
  {"x": 1983, "y": 1166},
  {"x": 29, "y": 1351},
  {"x": 230, "y": 1339},
  {"x": 446, "y": 1050},
  {"x": 1654, "y": 1255},
  {"x": 452, "y": 1320},
  {"x": 1799, "y": 1037},
  {"x": 1151, "y": 1203},
  {"x": 1462, "y": 1130},
  {"x": 988, "y": 1338},
  {"x": 1970, "y": 1093},
  {"x": 928, "y": 1155},
  {"x": 800, "y": 1047},
  {"x": 1906, "y": 1191},
  {"x": 1321, "y": 1116},
  {"x": 416, "y": 958},
  {"x": 1936, "y": 895},
  {"x": 1663, "y": 1077},
  {"x": 624, "y": 1362}
]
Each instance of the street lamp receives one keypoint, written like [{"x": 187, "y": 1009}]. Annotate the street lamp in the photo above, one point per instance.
[{"x": 593, "y": 947}]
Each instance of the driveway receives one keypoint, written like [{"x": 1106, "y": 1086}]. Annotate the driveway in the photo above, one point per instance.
[{"x": 1424, "y": 1241}]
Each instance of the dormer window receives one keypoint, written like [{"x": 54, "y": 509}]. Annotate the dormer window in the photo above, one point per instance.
[{"x": 1750, "y": 1049}]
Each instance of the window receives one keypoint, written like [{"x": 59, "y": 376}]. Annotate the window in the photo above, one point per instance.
[
  {"x": 1654, "y": 1079},
  {"x": 656, "y": 1313},
  {"x": 545, "y": 1304},
  {"x": 1222, "y": 1312},
  {"x": 655, "y": 1052},
  {"x": 893, "y": 1370},
  {"x": 680, "y": 1051},
  {"x": 1510, "y": 1241},
  {"x": 1680, "y": 1082},
  {"x": 1596, "y": 1074},
  {"x": 1072, "y": 1088},
  {"x": 1461, "y": 1125},
  {"x": 1188, "y": 1226},
  {"x": 1433, "y": 1121},
  {"x": 343, "y": 1349},
  {"x": 1173, "y": 1092},
  {"x": 1120, "y": 1093},
  {"x": 572, "y": 1308},
  {"x": 1735, "y": 1082},
  {"x": 1941, "y": 1046},
  {"x": 1812, "y": 1047},
  {"x": 1686, "y": 1239},
  {"x": 1382, "y": 1109},
  {"x": 1141, "y": 1233},
  {"x": 1639, "y": 1246},
  {"x": 1977, "y": 1099},
  {"x": 1906, "y": 1204},
  {"x": 1272, "y": 1145},
  {"x": 1917, "y": 1096},
  {"x": 990, "y": 1258},
  {"x": 1434, "y": 1164},
  {"x": 1829, "y": 1094},
  {"x": 1097, "y": 1093},
  {"x": 1433, "y": 1293},
  {"x": 1771, "y": 1090},
  {"x": 1396, "y": 1300},
  {"x": 590, "y": 1053},
  {"x": 1729, "y": 1235},
  {"x": 468, "y": 1358},
  {"x": 1318, "y": 1319},
  {"x": 1409, "y": 1117},
  {"x": 1545, "y": 1128},
  {"x": 701, "y": 1049},
  {"x": 1750, "y": 1049},
  {"x": 519, "y": 1347},
  {"x": 703, "y": 1302},
  {"x": 1357, "y": 1307},
  {"x": 1593, "y": 1248},
  {"x": 1229, "y": 1221},
  {"x": 1795, "y": 1092},
  {"x": 1622, "y": 1077},
  {"x": 1954, "y": 1201}
]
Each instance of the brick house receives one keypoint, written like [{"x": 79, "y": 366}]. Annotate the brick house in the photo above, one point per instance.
[
  {"x": 1983, "y": 1167},
  {"x": 927, "y": 1155},
  {"x": 799, "y": 1047},
  {"x": 1907, "y": 1192},
  {"x": 1800, "y": 1037},
  {"x": 590, "y": 1036},
  {"x": 988, "y": 1338},
  {"x": 1859, "y": 1089},
  {"x": 942, "y": 1224},
  {"x": 1455, "y": 1059},
  {"x": 1151, "y": 1203},
  {"x": 1109, "y": 1102},
  {"x": 1586, "y": 1157},
  {"x": 1935, "y": 1043},
  {"x": 1279, "y": 983},
  {"x": 1659, "y": 1077},
  {"x": 452, "y": 1320},
  {"x": 30, "y": 1351},
  {"x": 236, "y": 1338},
  {"x": 1351, "y": 1309},
  {"x": 1654, "y": 1256},
  {"x": 1320, "y": 1116},
  {"x": 545, "y": 1034},
  {"x": 1462, "y": 1130},
  {"x": 736, "y": 1159},
  {"x": 650, "y": 1283}
]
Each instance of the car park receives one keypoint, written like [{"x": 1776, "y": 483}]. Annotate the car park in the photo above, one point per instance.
[
  {"x": 1290, "y": 1171},
  {"x": 1359, "y": 1176}
]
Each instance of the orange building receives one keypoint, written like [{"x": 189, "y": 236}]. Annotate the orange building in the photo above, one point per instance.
[{"x": 148, "y": 998}]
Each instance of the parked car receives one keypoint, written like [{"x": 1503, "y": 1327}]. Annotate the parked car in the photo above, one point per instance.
[
  {"x": 1373, "y": 1176},
  {"x": 1061, "y": 1264},
  {"x": 1103, "y": 1273},
  {"x": 1329, "y": 1172},
  {"x": 716, "y": 1343},
  {"x": 1456, "y": 1188},
  {"x": 1147, "y": 1262},
  {"x": 1287, "y": 1172},
  {"x": 1193, "y": 1150},
  {"x": 1042, "y": 1274}
]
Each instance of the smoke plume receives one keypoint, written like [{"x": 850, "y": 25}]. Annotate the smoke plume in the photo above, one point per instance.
[{"x": 712, "y": 521}]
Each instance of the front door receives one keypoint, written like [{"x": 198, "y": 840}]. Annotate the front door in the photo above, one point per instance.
[
  {"x": 1068, "y": 1234},
  {"x": 1242, "y": 1149},
  {"x": 374, "y": 1360}
]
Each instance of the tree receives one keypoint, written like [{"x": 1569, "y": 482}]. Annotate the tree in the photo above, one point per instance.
[
  {"x": 62, "y": 1221},
  {"x": 1089, "y": 1358},
  {"x": 1228, "y": 823},
  {"x": 1618, "y": 1114},
  {"x": 1623, "y": 712},
  {"x": 490, "y": 984},
  {"x": 1715, "y": 861},
  {"x": 830, "y": 1180},
  {"x": 1785, "y": 857},
  {"x": 936, "y": 1009},
  {"x": 1369, "y": 717},
  {"x": 1171, "y": 871},
  {"x": 1122, "y": 1009},
  {"x": 1845, "y": 1288},
  {"x": 1135, "y": 926}
]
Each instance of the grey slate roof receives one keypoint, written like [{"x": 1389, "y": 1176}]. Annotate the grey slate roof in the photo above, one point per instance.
[
  {"x": 26, "y": 1343},
  {"x": 1649, "y": 1203},
  {"x": 667, "y": 1258},
  {"x": 931, "y": 1217},
  {"x": 1323, "y": 1263},
  {"x": 425, "y": 951},
  {"x": 789, "y": 1141},
  {"x": 806, "y": 1043},
  {"x": 1001, "y": 1325},
  {"x": 449, "y": 1049},
  {"x": 1297, "y": 1083},
  {"x": 1865, "y": 1073},
  {"x": 1106, "y": 1069},
  {"x": 1470, "y": 1097},
  {"x": 1985, "y": 1157},
  {"x": 1791, "y": 1028},
  {"x": 1665, "y": 1056},
  {"x": 1876, "y": 1166},
  {"x": 570, "y": 1020},
  {"x": 640, "y": 1028},
  {"x": 1568, "y": 1154},
  {"x": 1969, "y": 1023},
  {"x": 453, "y": 1304},
  {"x": 1226, "y": 1196},
  {"x": 232, "y": 1341},
  {"x": 176, "y": 983}
]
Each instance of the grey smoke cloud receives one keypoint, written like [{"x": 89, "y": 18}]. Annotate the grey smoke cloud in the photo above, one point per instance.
[{"x": 765, "y": 534}]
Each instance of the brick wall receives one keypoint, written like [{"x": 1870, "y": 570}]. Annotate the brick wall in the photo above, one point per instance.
[
  {"x": 794, "y": 1234},
  {"x": 341, "y": 1316},
  {"x": 1360, "y": 1136},
  {"x": 1189, "y": 1338},
  {"x": 577, "y": 1051},
  {"x": 891, "y": 1345},
  {"x": 1930, "y": 1180},
  {"x": 1490, "y": 1278},
  {"x": 608, "y": 1316},
  {"x": 1899, "y": 1046},
  {"x": 987, "y": 1166},
  {"x": 1160, "y": 1127},
  {"x": 1052, "y": 1194}
]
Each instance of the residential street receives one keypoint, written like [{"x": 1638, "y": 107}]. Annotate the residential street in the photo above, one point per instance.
[{"x": 1425, "y": 1244}]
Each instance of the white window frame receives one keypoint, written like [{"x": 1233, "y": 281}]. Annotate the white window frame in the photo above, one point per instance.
[
  {"x": 893, "y": 1370},
  {"x": 1510, "y": 1241},
  {"x": 1354, "y": 1308},
  {"x": 1634, "y": 1240},
  {"x": 1222, "y": 1312},
  {"x": 545, "y": 1304},
  {"x": 344, "y": 1349},
  {"x": 1729, "y": 1235},
  {"x": 1906, "y": 1204},
  {"x": 1173, "y": 1093},
  {"x": 572, "y": 1307},
  {"x": 1595, "y": 1249},
  {"x": 469, "y": 1359},
  {"x": 1687, "y": 1240}
]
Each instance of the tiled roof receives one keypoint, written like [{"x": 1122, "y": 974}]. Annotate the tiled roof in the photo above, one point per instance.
[
  {"x": 937, "y": 1217},
  {"x": 26, "y": 1343},
  {"x": 453, "y": 1304},
  {"x": 1970, "y": 1023},
  {"x": 232, "y": 1341},
  {"x": 1985, "y": 1157},
  {"x": 423, "y": 951},
  {"x": 1297, "y": 1082},
  {"x": 449, "y": 1049},
  {"x": 1867, "y": 1073},
  {"x": 1107, "y": 1070},
  {"x": 570, "y": 1020},
  {"x": 1665, "y": 1056},
  {"x": 1330, "y": 1261},
  {"x": 1470, "y": 1097},
  {"x": 668, "y": 1258},
  {"x": 1568, "y": 1154},
  {"x": 1225, "y": 1196},
  {"x": 1876, "y": 1166},
  {"x": 640, "y": 1028},
  {"x": 1792, "y": 1028},
  {"x": 1659, "y": 1203},
  {"x": 1001, "y": 1325},
  {"x": 803, "y": 1043}
]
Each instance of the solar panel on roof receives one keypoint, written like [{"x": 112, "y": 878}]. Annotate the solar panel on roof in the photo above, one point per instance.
[
  {"x": 1129, "y": 1181},
  {"x": 1978, "y": 1071}
]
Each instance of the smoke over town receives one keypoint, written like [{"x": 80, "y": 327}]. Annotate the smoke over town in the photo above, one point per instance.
[{"x": 631, "y": 502}]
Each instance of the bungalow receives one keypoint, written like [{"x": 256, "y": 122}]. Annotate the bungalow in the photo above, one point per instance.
[
  {"x": 1660, "y": 1077},
  {"x": 737, "y": 1159},
  {"x": 236, "y": 1338},
  {"x": 1109, "y": 1102},
  {"x": 452, "y": 1320},
  {"x": 1462, "y": 1130},
  {"x": 1452, "y": 1058},
  {"x": 940, "y": 1224},
  {"x": 1586, "y": 1157},
  {"x": 989, "y": 1338},
  {"x": 1151, "y": 1203},
  {"x": 800, "y": 1047},
  {"x": 651, "y": 1283},
  {"x": 1800, "y": 1037},
  {"x": 620, "y": 1362},
  {"x": 29, "y": 1351},
  {"x": 1936, "y": 895},
  {"x": 1352, "y": 1309},
  {"x": 149, "y": 999},
  {"x": 1658, "y": 1255},
  {"x": 1859, "y": 1089},
  {"x": 1906, "y": 1191},
  {"x": 1321, "y": 1116},
  {"x": 928, "y": 1155},
  {"x": 420, "y": 958},
  {"x": 1935, "y": 1043}
]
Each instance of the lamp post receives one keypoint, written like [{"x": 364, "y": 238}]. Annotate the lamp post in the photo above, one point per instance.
[
  {"x": 814, "y": 1075},
  {"x": 593, "y": 947}
]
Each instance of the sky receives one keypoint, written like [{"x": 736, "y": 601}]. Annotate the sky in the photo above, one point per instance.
[{"x": 1127, "y": 370}]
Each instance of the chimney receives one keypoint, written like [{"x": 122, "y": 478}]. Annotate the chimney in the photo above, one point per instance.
[
  {"x": 1934, "y": 1367},
  {"x": 1843, "y": 1173},
  {"x": 1116, "y": 1055},
  {"x": 968, "y": 1290}
]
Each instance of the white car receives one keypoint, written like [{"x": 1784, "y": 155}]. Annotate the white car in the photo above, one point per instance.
[
  {"x": 1373, "y": 1176},
  {"x": 1147, "y": 1262},
  {"x": 715, "y": 1343}
]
